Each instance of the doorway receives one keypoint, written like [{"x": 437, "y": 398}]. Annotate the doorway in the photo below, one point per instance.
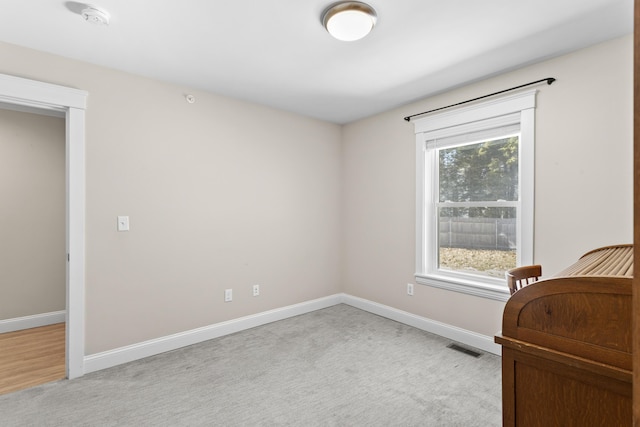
[
  {"x": 43, "y": 98},
  {"x": 32, "y": 249}
]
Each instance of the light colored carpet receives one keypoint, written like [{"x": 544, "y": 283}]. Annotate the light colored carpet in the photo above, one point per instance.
[{"x": 338, "y": 366}]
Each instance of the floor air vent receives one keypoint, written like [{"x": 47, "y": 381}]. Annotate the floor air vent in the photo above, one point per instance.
[{"x": 464, "y": 350}]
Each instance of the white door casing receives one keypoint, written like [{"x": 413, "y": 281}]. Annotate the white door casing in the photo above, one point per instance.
[{"x": 44, "y": 98}]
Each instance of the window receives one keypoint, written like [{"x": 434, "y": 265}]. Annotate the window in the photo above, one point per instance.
[{"x": 475, "y": 170}]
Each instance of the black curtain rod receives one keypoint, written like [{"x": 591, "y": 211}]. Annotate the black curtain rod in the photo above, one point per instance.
[{"x": 549, "y": 80}]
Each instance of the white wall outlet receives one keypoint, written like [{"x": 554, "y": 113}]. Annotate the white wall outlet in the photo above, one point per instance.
[
  {"x": 228, "y": 295},
  {"x": 410, "y": 289},
  {"x": 256, "y": 290}
]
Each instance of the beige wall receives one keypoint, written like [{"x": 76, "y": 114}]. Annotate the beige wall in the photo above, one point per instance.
[
  {"x": 220, "y": 193},
  {"x": 32, "y": 214},
  {"x": 583, "y": 182},
  {"x": 224, "y": 194}
]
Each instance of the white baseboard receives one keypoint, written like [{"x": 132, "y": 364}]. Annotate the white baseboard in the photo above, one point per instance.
[
  {"x": 454, "y": 333},
  {"x": 107, "y": 359},
  {"x": 34, "y": 321}
]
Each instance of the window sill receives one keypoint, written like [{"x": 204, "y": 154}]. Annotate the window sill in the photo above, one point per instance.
[{"x": 470, "y": 287}]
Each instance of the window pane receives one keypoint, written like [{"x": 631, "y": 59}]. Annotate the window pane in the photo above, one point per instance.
[
  {"x": 485, "y": 171},
  {"x": 478, "y": 240}
]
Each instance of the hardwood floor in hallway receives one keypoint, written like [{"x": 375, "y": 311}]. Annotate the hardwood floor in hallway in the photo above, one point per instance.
[{"x": 31, "y": 357}]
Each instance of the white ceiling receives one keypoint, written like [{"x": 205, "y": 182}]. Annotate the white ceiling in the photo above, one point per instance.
[{"x": 276, "y": 52}]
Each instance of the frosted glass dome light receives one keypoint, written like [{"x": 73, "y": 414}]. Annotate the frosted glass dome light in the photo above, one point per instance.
[{"x": 349, "y": 20}]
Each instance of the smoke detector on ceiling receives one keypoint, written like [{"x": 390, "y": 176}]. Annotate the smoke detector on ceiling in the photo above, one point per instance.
[{"x": 95, "y": 15}]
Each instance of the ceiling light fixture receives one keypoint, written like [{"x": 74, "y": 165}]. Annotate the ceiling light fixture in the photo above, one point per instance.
[
  {"x": 95, "y": 15},
  {"x": 349, "y": 20}
]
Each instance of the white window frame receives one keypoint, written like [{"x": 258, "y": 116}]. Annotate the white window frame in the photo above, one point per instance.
[{"x": 497, "y": 112}]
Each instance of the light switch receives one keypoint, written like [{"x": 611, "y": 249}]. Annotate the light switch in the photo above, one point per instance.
[{"x": 123, "y": 223}]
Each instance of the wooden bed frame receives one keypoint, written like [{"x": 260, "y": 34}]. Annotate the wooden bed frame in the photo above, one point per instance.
[{"x": 567, "y": 345}]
